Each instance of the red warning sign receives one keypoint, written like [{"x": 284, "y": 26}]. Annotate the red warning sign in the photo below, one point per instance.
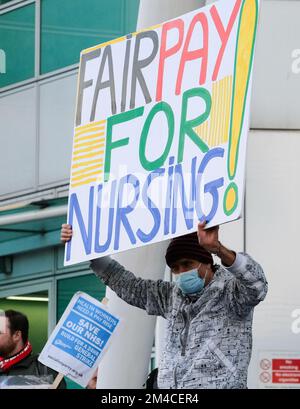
[
  {"x": 286, "y": 377},
  {"x": 286, "y": 371},
  {"x": 279, "y": 370},
  {"x": 286, "y": 364}
]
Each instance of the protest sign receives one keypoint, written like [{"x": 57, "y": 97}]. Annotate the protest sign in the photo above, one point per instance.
[
  {"x": 161, "y": 127},
  {"x": 80, "y": 338}
]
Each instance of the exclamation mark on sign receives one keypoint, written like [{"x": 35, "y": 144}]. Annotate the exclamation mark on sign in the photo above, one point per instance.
[{"x": 242, "y": 70}]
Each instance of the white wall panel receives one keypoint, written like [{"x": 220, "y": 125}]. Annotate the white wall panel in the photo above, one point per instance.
[
  {"x": 17, "y": 141},
  {"x": 57, "y": 110},
  {"x": 276, "y": 82},
  {"x": 272, "y": 238},
  {"x": 153, "y": 12},
  {"x": 232, "y": 235}
]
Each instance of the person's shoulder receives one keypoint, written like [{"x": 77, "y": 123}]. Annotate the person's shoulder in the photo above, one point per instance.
[
  {"x": 30, "y": 365},
  {"x": 45, "y": 370},
  {"x": 26, "y": 362},
  {"x": 221, "y": 273}
]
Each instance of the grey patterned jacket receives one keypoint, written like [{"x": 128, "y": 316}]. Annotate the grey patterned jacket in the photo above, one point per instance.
[{"x": 209, "y": 334}]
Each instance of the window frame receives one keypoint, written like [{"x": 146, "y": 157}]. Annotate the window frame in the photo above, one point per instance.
[
  {"x": 37, "y": 76},
  {"x": 27, "y": 287},
  {"x": 12, "y": 3},
  {"x": 15, "y": 5}
]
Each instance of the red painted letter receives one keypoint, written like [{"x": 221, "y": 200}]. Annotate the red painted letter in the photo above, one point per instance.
[
  {"x": 195, "y": 54},
  {"x": 224, "y": 34},
  {"x": 164, "y": 53}
]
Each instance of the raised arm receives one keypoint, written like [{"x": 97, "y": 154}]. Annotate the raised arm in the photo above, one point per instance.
[
  {"x": 152, "y": 296},
  {"x": 248, "y": 285}
]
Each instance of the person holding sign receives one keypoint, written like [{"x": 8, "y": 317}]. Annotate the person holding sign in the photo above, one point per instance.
[
  {"x": 209, "y": 309},
  {"x": 16, "y": 358}
]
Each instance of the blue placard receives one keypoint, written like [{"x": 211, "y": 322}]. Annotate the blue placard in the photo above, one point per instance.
[{"x": 85, "y": 331}]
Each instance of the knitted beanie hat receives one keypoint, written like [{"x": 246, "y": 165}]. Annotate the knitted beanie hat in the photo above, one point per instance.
[{"x": 187, "y": 246}]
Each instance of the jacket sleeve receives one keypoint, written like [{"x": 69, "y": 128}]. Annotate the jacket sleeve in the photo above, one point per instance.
[
  {"x": 247, "y": 287},
  {"x": 152, "y": 296}
]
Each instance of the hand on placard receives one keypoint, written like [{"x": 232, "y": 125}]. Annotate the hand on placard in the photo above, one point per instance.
[
  {"x": 209, "y": 238},
  {"x": 66, "y": 233}
]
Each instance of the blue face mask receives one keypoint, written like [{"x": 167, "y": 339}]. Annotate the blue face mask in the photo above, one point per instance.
[{"x": 189, "y": 282}]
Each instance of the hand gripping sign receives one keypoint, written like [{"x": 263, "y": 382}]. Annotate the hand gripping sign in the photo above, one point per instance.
[
  {"x": 80, "y": 338},
  {"x": 161, "y": 127}
]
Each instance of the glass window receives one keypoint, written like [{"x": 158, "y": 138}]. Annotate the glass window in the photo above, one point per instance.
[
  {"x": 60, "y": 261},
  {"x": 35, "y": 307},
  {"x": 17, "y": 42},
  {"x": 69, "y": 26},
  {"x": 4, "y": 1},
  {"x": 67, "y": 287}
]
